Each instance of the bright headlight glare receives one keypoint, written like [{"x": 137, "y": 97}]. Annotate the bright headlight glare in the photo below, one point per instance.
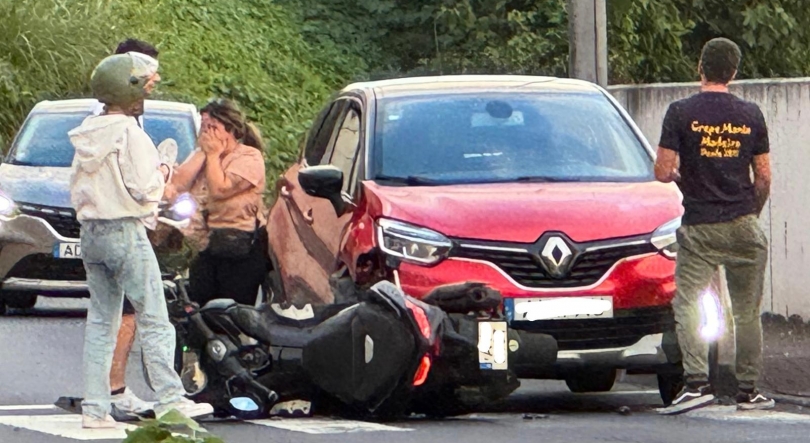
[
  {"x": 6, "y": 205},
  {"x": 412, "y": 243},
  {"x": 184, "y": 206},
  {"x": 664, "y": 238},
  {"x": 711, "y": 316}
]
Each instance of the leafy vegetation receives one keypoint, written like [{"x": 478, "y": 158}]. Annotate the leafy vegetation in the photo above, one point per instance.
[
  {"x": 282, "y": 59},
  {"x": 173, "y": 427}
]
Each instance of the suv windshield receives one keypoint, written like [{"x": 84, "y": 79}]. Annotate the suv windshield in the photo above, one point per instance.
[
  {"x": 505, "y": 137},
  {"x": 43, "y": 140}
]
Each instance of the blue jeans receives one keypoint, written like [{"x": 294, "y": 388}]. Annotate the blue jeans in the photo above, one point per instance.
[{"x": 119, "y": 259}]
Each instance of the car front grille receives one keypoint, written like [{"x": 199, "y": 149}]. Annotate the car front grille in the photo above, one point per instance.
[
  {"x": 63, "y": 220},
  {"x": 625, "y": 329},
  {"x": 525, "y": 267},
  {"x": 46, "y": 267}
]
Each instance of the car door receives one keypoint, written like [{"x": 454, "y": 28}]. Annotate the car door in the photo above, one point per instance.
[
  {"x": 345, "y": 150},
  {"x": 291, "y": 237}
]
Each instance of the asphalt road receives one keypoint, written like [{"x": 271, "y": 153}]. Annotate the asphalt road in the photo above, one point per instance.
[{"x": 40, "y": 360}]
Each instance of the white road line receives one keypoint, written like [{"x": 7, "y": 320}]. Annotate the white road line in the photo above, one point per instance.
[
  {"x": 28, "y": 407},
  {"x": 324, "y": 426},
  {"x": 64, "y": 425},
  {"x": 731, "y": 414}
]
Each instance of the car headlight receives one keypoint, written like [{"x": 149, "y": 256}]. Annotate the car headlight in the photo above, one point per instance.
[
  {"x": 664, "y": 238},
  {"x": 6, "y": 205},
  {"x": 412, "y": 243}
]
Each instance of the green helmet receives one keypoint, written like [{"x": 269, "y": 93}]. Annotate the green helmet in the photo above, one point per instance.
[{"x": 119, "y": 80}]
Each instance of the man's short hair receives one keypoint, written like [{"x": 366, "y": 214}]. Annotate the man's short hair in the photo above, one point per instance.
[
  {"x": 719, "y": 60},
  {"x": 135, "y": 45}
]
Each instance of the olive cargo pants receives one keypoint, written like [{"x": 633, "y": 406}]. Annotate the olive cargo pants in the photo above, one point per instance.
[{"x": 742, "y": 248}]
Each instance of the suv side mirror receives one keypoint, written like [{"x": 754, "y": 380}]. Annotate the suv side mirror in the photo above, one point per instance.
[{"x": 324, "y": 181}]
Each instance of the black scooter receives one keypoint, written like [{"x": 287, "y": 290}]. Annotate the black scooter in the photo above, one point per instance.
[{"x": 382, "y": 356}]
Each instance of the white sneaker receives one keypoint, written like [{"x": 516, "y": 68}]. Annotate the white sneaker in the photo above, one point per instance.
[
  {"x": 185, "y": 407},
  {"x": 129, "y": 403},
  {"x": 90, "y": 422}
]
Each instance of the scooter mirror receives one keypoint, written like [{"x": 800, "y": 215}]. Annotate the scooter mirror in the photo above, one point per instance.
[
  {"x": 167, "y": 150},
  {"x": 244, "y": 404}
]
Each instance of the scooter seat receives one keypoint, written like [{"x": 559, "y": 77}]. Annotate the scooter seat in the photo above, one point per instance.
[{"x": 218, "y": 304}]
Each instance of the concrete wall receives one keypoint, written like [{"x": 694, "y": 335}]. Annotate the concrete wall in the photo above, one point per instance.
[{"x": 785, "y": 219}]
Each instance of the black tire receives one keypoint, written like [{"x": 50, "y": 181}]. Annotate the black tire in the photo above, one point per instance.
[
  {"x": 273, "y": 286},
  {"x": 19, "y": 300},
  {"x": 3, "y": 309},
  {"x": 669, "y": 385},
  {"x": 595, "y": 380}
]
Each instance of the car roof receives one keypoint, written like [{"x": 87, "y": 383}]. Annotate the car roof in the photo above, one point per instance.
[
  {"x": 472, "y": 83},
  {"x": 89, "y": 104}
]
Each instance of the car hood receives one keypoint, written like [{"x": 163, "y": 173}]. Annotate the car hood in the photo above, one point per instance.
[
  {"x": 46, "y": 186},
  {"x": 522, "y": 212}
]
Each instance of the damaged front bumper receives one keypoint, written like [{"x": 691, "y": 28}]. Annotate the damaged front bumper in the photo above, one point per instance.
[{"x": 29, "y": 249}]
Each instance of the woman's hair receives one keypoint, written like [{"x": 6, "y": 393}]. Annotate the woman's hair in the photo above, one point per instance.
[
  {"x": 135, "y": 45},
  {"x": 228, "y": 113}
]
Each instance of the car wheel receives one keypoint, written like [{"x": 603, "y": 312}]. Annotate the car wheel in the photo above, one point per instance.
[
  {"x": 274, "y": 287},
  {"x": 669, "y": 385},
  {"x": 591, "y": 381},
  {"x": 19, "y": 300},
  {"x": 3, "y": 309}
]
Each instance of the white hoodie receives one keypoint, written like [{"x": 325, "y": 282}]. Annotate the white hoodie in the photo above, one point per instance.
[{"x": 116, "y": 170}]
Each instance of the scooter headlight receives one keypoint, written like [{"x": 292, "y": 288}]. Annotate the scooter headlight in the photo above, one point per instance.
[
  {"x": 7, "y": 205},
  {"x": 412, "y": 243},
  {"x": 664, "y": 238},
  {"x": 184, "y": 206}
]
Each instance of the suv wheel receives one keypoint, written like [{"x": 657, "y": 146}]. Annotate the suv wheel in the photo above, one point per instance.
[
  {"x": 19, "y": 300},
  {"x": 595, "y": 380},
  {"x": 670, "y": 383}
]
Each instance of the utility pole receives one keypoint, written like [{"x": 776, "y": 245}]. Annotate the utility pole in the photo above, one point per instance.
[{"x": 587, "y": 40}]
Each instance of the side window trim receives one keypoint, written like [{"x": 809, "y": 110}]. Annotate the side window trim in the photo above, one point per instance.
[{"x": 356, "y": 105}]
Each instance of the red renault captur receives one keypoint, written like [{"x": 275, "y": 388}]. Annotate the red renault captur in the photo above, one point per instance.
[{"x": 542, "y": 188}]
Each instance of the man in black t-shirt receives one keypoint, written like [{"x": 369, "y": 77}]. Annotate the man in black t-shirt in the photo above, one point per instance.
[{"x": 709, "y": 144}]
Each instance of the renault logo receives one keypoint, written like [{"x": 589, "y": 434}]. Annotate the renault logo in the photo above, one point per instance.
[{"x": 556, "y": 257}]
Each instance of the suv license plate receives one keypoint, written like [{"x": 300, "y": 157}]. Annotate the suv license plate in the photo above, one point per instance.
[
  {"x": 68, "y": 250},
  {"x": 492, "y": 353}
]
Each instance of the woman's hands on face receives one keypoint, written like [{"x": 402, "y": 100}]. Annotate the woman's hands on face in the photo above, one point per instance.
[{"x": 213, "y": 139}]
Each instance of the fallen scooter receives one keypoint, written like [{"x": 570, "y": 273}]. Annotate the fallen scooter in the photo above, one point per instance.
[{"x": 384, "y": 356}]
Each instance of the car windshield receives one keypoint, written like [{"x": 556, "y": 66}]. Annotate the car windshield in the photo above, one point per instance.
[
  {"x": 506, "y": 137},
  {"x": 43, "y": 141}
]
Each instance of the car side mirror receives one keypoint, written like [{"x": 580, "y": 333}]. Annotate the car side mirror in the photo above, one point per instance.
[{"x": 324, "y": 181}]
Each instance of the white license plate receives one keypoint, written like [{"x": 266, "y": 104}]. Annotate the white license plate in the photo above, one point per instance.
[
  {"x": 563, "y": 308},
  {"x": 68, "y": 250},
  {"x": 492, "y": 340}
]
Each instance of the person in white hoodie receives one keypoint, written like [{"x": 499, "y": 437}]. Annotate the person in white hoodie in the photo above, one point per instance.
[{"x": 116, "y": 186}]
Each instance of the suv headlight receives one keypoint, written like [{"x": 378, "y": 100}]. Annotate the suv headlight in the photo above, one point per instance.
[
  {"x": 6, "y": 205},
  {"x": 412, "y": 243},
  {"x": 665, "y": 240}
]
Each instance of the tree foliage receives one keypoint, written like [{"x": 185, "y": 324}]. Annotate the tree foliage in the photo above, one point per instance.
[{"x": 281, "y": 59}]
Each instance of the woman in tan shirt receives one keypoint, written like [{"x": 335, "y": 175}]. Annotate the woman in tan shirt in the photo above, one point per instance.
[{"x": 226, "y": 175}]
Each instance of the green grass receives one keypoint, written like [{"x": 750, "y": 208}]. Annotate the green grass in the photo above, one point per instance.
[{"x": 248, "y": 50}]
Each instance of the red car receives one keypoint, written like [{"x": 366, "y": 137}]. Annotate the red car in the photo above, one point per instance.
[{"x": 541, "y": 188}]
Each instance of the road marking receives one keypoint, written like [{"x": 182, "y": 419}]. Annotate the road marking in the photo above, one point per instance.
[
  {"x": 324, "y": 426},
  {"x": 28, "y": 407},
  {"x": 65, "y": 425},
  {"x": 730, "y": 413}
]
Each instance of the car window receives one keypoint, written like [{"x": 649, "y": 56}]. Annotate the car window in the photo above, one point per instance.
[
  {"x": 321, "y": 133},
  {"x": 43, "y": 139},
  {"x": 495, "y": 137},
  {"x": 346, "y": 145}
]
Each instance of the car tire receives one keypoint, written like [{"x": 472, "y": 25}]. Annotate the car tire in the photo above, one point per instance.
[
  {"x": 601, "y": 380},
  {"x": 669, "y": 385},
  {"x": 19, "y": 300},
  {"x": 273, "y": 286}
]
